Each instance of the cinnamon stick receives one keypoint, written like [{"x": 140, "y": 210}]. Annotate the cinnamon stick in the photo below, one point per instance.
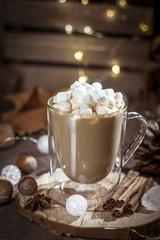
[
  {"x": 134, "y": 202},
  {"x": 117, "y": 211},
  {"x": 121, "y": 188},
  {"x": 130, "y": 191}
]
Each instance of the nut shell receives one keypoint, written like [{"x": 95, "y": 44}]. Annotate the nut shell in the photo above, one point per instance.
[
  {"x": 6, "y": 190},
  {"x": 27, "y": 186},
  {"x": 27, "y": 164}
]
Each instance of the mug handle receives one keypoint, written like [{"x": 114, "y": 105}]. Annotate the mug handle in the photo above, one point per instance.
[{"x": 138, "y": 137}]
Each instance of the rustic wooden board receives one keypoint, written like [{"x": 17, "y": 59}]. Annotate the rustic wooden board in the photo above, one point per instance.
[
  {"x": 54, "y": 77},
  {"x": 60, "y": 48},
  {"x": 92, "y": 223},
  {"x": 52, "y": 14}
]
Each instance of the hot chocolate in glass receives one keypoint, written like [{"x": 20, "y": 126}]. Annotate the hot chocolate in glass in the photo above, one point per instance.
[{"x": 86, "y": 127}]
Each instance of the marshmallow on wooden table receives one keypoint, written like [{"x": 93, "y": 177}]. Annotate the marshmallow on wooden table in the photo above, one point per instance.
[
  {"x": 64, "y": 106},
  {"x": 98, "y": 96},
  {"x": 75, "y": 103},
  {"x": 97, "y": 86}
]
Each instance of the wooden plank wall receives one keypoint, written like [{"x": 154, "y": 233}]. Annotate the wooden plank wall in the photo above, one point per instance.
[{"x": 38, "y": 49}]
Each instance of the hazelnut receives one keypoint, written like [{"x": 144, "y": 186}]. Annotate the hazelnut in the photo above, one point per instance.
[
  {"x": 6, "y": 190},
  {"x": 27, "y": 186},
  {"x": 26, "y": 164}
]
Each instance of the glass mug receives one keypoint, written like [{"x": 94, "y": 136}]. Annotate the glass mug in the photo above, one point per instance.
[{"x": 89, "y": 150}]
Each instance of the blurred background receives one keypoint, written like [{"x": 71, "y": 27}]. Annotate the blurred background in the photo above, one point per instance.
[{"x": 52, "y": 43}]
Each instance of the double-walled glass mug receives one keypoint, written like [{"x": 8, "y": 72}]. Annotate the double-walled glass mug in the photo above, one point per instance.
[{"x": 87, "y": 151}]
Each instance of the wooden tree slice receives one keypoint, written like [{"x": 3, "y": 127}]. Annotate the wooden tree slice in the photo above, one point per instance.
[{"x": 93, "y": 224}]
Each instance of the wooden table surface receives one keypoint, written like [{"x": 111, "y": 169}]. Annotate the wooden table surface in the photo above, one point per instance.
[{"x": 14, "y": 226}]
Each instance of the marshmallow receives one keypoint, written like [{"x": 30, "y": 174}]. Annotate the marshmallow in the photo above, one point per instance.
[
  {"x": 75, "y": 84},
  {"x": 110, "y": 102},
  {"x": 63, "y": 96},
  {"x": 56, "y": 105},
  {"x": 64, "y": 106},
  {"x": 103, "y": 110},
  {"x": 75, "y": 103},
  {"x": 79, "y": 92},
  {"x": 88, "y": 99},
  {"x": 84, "y": 106},
  {"x": 86, "y": 111},
  {"x": 108, "y": 92},
  {"x": 118, "y": 97},
  {"x": 89, "y": 88},
  {"x": 76, "y": 112},
  {"x": 98, "y": 96},
  {"x": 97, "y": 86}
]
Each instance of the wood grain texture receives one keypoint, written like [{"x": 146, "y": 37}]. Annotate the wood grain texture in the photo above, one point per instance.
[
  {"x": 55, "y": 77},
  {"x": 52, "y": 14},
  {"x": 60, "y": 48}
]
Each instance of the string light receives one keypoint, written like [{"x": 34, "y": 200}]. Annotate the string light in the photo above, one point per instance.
[
  {"x": 85, "y": 2},
  {"x": 78, "y": 56},
  {"x": 110, "y": 13},
  {"x": 122, "y": 3},
  {"x": 88, "y": 30},
  {"x": 143, "y": 27},
  {"x": 116, "y": 69},
  {"x": 62, "y": 1},
  {"x": 83, "y": 79},
  {"x": 68, "y": 29}
]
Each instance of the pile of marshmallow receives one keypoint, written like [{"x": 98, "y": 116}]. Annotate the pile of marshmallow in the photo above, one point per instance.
[{"x": 88, "y": 99}]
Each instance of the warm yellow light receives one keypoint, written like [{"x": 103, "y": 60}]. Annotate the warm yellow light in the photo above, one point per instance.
[
  {"x": 143, "y": 27},
  {"x": 78, "y": 56},
  {"x": 110, "y": 13},
  {"x": 83, "y": 79},
  {"x": 116, "y": 69},
  {"x": 68, "y": 29},
  {"x": 62, "y": 1},
  {"x": 88, "y": 30},
  {"x": 122, "y": 3},
  {"x": 84, "y": 2}
]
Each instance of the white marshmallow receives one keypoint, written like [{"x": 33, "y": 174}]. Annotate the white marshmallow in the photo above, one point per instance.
[
  {"x": 89, "y": 88},
  {"x": 75, "y": 84},
  {"x": 65, "y": 106},
  {"x": 63, "y": 96},
  {"x": 110, "y": 102},
  {"x": 98, "y": 96},
  {"x": 56, "y": 105},
  {"x": 88, "y": 99},
  {"x": 108, "y": 92},
  {"x": 76, "y": 112},
  {"x": 84, "y": 106},
  {"x": 75, "y": 103},
  {"x": 103, "y": 110},
  {"x": 55, "y": 99},
  {"x": 118, "y": 97},
  {"x": 97, "y": 86},
  {"x": 86, "y": 111},
  {"x": 79, "y": 92}
]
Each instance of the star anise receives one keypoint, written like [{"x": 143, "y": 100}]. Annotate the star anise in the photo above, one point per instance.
[{"x": 38, "y": 202}]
